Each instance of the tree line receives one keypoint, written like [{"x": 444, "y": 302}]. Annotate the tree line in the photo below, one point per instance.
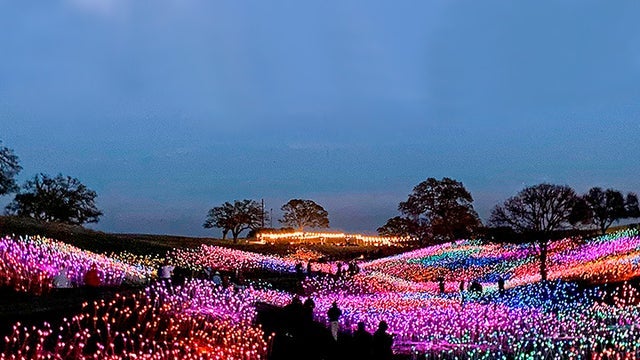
[
  {"x": 439, "y": 211},
  {"x": 248, "y": 214},
  {"x": 46, "y": 198}
]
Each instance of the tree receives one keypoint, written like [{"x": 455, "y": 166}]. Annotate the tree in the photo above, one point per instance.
[
  {"x": 607, "y": 207},
  {"x": 61, "y": 199},
  {"x": 440, "y": 210},
  {"x": 631, "y": 206},
  {"x": 300, "y": 213},
  {"x": 9, "y": 168},
  {"x": 536, "y": 213},
  {"x": 236, "y": 218},
  {"x": 220, "y": 217},
  {"x": 398, "y": 226}
]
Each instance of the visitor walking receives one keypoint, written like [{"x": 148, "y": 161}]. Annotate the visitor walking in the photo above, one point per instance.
[{"x": 334, "y": 314}]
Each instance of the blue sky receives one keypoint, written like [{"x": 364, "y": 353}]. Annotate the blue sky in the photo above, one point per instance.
[{"x": 167, "y": 108}]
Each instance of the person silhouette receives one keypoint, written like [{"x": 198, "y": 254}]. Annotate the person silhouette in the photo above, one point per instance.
[
  {"x": 382, "y": 342},
  {"x": 307, "y": 310},
  {"x": 441, "y": 284},
  {"x": 362, "y": 342},
  {"x": 334, "y": 314}
]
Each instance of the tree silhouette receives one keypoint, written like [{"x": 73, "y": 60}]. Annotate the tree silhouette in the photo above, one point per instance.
[
  {"x": 235, "y": 218},
  {"x": 398, "y": 226},
  {"x": 631, "y": 206},
  {"x": 300, "y": 213},
  {"x": 61, "y": 199},
  {"x": 609, "y": 206},
  {"x": 440, "y": 211},
  {"x": 536, "y": 212},
  {"x": 9, "y": 168}
]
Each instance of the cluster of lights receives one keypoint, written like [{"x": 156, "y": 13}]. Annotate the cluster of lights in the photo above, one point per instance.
[
  {"x": 29, "y": 264},
  {"x": 530, "y": 320},
  {"x": 221, "y": 258},
  {"x": 614, "y": 257},
  {"x": 194, "y": 321},
  {"x": 306, "y": 255},
  {"x": 139, "y": 261},
  {"x": 321, "y": 237}
]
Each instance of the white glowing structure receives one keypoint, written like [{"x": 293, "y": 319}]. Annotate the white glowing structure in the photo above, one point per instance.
[{"x": 321, "y": 237}]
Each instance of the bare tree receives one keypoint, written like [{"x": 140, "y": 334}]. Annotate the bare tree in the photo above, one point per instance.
[
  {"x": 235, "y": 218},
  {"x": 537, "y": 212}
]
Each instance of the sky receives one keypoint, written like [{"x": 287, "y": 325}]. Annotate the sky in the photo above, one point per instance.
[{"x": 167, "y": 108}]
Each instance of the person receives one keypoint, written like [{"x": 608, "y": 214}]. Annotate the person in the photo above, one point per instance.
[
  {"x": 61, "y": 280},
  {"x": 441, "y": 284},
  {"x": 362, "y": 342},
  {"x": 339, "y": 271},
  {"x": 92, "y": 281},
  {"x": 299, "y": 270},
  {"x": 350, "y": 270},
  {"x": 334, "y": 314},
  {"x": 309, "y": 269},
  {"x": 208, "y": 272},
  {"x": 462, "y": 293},
  {"x": 216, "y": 279},
  {"x": 92, "y": 277},
  {"x": 382, "y": 342},
  {"x": 307, "y": 309},
  {"x": 476, "y": 287},
  {"x": 166, "y": 271},
  {"x": 501, "y": 285},
  {"x": 293, "y": 313}
]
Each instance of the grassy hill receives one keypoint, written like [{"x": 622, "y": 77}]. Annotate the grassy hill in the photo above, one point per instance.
[{"x": 98, "y": 241}]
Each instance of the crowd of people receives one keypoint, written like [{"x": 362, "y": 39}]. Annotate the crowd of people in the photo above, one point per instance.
[{"x": 300, "y": 337}]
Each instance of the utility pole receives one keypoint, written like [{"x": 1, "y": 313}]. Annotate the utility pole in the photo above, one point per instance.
[
  {"x": 271, "y": 217},
  {"x": 263, "y": 213}
]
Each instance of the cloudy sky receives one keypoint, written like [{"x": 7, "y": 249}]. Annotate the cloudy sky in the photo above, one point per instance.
[{"x": 169, "y": 107}]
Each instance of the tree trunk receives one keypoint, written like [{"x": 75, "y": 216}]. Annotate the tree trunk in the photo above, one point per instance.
[
  {"x": 543, "y": 260},
  {"x": 224, "y": 234}
]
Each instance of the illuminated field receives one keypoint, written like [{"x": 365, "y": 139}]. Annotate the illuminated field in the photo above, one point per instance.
[{"x": 556, "y": 320}]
